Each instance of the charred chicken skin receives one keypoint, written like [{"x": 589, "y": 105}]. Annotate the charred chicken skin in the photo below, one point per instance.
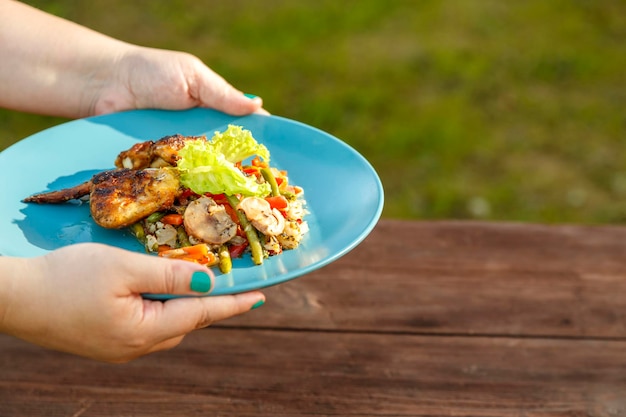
[
  {"x": 123, "y": 197},
  {"x": 141, "y": 185},
  {"x": 61, "y": 196},
  {"x": 119, "y": 198}
]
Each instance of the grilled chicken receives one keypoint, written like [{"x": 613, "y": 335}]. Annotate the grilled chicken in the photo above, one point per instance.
[
  {"x": 61, "y": 196},
  {"x": 119, "y": 198},
  {"x": 154, "y": 154},
  {"x": 140, "y": 186}
]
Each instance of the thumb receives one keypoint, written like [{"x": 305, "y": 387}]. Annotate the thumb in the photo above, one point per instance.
[
  {"x": 232, "y": 101},
  {"x": 213, "y": 91},
  {"x": 156, "y": 275}
]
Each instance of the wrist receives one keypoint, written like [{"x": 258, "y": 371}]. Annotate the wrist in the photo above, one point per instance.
[
  {"x": 15, "y": 276},
  {"x": 107, "y": 86}
]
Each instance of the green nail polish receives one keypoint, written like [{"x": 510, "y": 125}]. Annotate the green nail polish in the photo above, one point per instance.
[
  {"x": 250, "y": 95},
  {"x": 257, "y": 304},
  {"x": 200, "y": 282}
]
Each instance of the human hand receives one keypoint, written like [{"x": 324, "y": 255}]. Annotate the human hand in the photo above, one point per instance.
[
  {"x": 172, "y": 80},
  {"x": 81, "y": 72},
  {"x": 86, "y": 299}
]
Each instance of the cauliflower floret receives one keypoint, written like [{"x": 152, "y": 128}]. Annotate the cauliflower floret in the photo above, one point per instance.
[
  {"x": 291, "y": 236},
  {"x": 166, "y": 235}
]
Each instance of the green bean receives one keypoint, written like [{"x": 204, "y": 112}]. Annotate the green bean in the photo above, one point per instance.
[
  {"x": 226, "y": 264},
  {"x": 155, "y": 217},
  {"x": 183, "y": 238},
  {"x": 269, "y": 177},
  {"x": 289, "y": 196},
  {"x": 137, "y": 230},
  {"x": 251, "y": 233}
]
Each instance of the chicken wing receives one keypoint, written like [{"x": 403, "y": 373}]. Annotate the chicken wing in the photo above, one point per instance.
[
  {"x": 121, "y": 197},
  {"x": 142, "y": 184},
  {"x": 61, "y": 196},
  {"x": 154, "y": 154}
]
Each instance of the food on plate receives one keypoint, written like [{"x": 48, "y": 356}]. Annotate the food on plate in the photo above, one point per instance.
[
  {"x": 198, "y": 199},
  {"x": 154, "y": 154},
  {"x": 119, "y": 198}
]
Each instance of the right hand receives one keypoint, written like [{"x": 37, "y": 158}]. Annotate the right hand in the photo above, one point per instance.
[{"x": 86, "y": 299}]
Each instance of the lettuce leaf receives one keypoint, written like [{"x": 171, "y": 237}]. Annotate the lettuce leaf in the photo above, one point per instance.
[
  {"x": 237, "y": 144},
  {"x": 209, "y": 166}
]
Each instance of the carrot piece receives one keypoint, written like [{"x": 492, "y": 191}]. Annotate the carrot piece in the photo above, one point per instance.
[
  {"x": 257, "y": 162},
  {"x": 199, "y": 253},
  {"x": 231, "y": 212},
  {"x": 201, "y": 249},
  {"x": 163, "y": 248},
  {"x": 278, "y": 202},
  {"x": 174, "y": 219}
]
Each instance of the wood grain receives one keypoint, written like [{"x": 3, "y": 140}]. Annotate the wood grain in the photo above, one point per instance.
[
  {"x": 422, "y": 319},
  {"x": 464, "y": 278},
  {"x": 269, "y": 372}
]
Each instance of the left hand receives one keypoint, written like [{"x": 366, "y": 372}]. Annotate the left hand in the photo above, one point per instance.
[{"x": 172, "y": 80}]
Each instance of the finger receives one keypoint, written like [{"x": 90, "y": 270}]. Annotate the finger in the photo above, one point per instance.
[
  {"x": 154, "y": 275},
  {"x": 260, "y": 110},
  {"x": 179, "y": 316},
  {"x": 208, "y": 310},
  {"x": 232, "y": 101},
  {"x": 263, "y": 112},
  {"x": 215, "y": 92}
]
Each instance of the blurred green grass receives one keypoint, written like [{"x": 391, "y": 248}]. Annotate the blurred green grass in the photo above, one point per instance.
[{"x": 468, "y": 109}]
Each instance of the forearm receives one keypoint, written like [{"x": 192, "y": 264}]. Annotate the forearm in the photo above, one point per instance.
[{"x": 50, "y": 65}]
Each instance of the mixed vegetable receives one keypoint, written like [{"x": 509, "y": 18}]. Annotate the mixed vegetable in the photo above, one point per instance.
[{"x": 232, "y": 202}]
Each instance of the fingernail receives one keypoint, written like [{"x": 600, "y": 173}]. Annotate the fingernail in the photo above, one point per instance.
[
  {"x": 257, "y": 304},
  {"x": 251, "y": 96},
  {"x": 200, "y": 282}
]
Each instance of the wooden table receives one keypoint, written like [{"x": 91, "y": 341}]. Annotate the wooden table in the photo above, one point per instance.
[{"x": 422, "y": 319}]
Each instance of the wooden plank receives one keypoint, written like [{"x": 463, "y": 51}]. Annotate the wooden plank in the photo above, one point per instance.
[
  {"x": 298, "y": 373},
  {"x": 464, "y": 278},
  {"x": 418, "y": 320}
]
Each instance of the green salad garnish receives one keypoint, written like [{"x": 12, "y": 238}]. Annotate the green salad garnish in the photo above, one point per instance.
[{"x": 210, "y": 166}]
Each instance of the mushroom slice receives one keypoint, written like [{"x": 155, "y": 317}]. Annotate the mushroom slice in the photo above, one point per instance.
[
  {"x": 209, "y": 222},
  {"x": 265, "y": 219}
]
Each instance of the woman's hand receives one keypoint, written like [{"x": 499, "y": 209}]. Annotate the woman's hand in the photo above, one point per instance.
[
  {"x": 157, "y": 78},
  {"x": 86, "y": 299}
]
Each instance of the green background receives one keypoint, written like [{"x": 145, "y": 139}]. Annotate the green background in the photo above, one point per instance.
[{"x": 468, "y": 109}]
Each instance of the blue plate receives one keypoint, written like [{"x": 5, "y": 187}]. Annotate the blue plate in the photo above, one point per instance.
[{"x": 343, "y": 192}]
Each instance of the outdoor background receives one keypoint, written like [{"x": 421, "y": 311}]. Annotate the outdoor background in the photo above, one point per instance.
[{"x": 468, "y": 109}]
